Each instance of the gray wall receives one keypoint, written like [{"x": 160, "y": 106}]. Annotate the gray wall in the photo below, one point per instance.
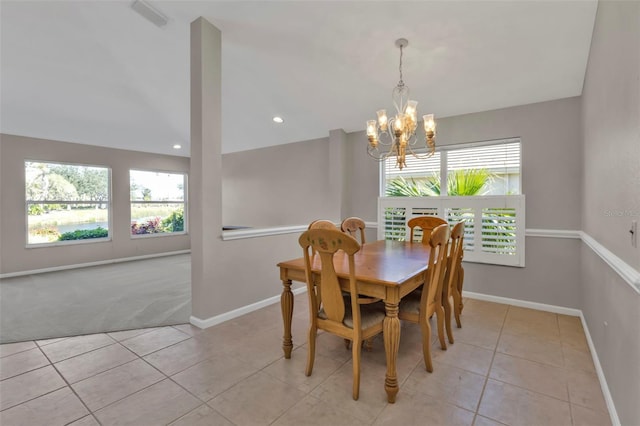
[
  {"x": 281, "y": 185},
  {"x": 14, "y": 150},
  {"x": 289, "y": 185},
  {"x": 551, "y": 173},
  {"x": 551, "y": 152},
  {"x": 611, "y": 133},
  {"x": 611, "y": 129}
]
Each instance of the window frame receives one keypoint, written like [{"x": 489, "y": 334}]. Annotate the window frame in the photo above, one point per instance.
[
  {"x": 109, "y": 204},
  {"x": 185, "y": 204},
  {"x": 480, "y": 206},
  {"x": 444, "y": 173}
]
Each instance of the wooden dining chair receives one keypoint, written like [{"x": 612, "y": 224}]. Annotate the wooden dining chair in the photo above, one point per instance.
[
  {"x": 353, "y": 318},
  {"x": 418, "y": 307},
  {"x": 427, "y": 224},
  {"x": 458, "y": 282},
  {"x": 351, "y": 225},
  {"x": 322, "y": 224},
  {"x": 451, "y": 293}
]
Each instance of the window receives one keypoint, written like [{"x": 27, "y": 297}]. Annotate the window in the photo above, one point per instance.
[
  {"x": 482, "y": 189},
  {"x": 157, "y": 202},
  {"x": 66, "y": 202},
  {"x": 485, "y": 168}
]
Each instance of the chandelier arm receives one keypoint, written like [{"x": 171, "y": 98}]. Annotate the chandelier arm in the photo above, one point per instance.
[
  {"x": 426, "y": 155},
  {"x": 387, "y": 140},
  {"x": 380, "y": 158},
  {"x": 413, "y": 139}
]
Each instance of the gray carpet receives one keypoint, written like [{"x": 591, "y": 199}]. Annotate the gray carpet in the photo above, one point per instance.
[{"x": 121, "y": 296}]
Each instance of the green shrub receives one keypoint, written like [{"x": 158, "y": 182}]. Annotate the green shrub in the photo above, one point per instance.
[
  {"x": 174, "y": 222},
  {"x": 84, "y": 234},
  {"x": 35, "y": 209}
]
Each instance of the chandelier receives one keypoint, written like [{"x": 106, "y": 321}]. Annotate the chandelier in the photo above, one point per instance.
[{"x": 397, "y": 135}]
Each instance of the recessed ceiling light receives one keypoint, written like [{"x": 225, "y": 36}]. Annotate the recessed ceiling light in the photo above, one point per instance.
[
  {"x": 177, "y": 146},
  {"x": 278, "y": 120}
]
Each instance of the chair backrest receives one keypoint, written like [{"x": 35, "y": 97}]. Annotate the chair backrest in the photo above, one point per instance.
[
  {"x": 351, "y": 225},
  {"x": 326, "y": 242},
  {"x": 427, "y": 224},
  {"x": 456, "y": 244},
  {"x": 322, "y": 224},
  {"x": 436, "y": 269}
]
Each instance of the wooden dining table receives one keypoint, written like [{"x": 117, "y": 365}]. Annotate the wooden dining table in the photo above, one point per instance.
[{"x": 388, "y": 270}]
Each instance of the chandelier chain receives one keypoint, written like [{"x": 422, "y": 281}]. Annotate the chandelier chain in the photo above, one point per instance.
[{"x": 400, "y": 83}]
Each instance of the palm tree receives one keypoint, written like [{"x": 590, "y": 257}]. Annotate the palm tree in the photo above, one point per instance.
[{"x": 459, "y": 183}]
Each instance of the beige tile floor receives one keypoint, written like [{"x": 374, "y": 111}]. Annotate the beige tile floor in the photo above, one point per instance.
[{"x": 509, "y": 365}]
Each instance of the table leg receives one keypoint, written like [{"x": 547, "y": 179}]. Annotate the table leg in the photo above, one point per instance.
[
  {"x": 391, "y": 332},
  {"x": 286, "y": 304}
]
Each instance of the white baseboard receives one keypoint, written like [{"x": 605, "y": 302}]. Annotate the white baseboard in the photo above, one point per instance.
[
  {"x": 523, "y": 303},
  {"x": 613, "y": 414},
  {"x": 218, "y": 319}
]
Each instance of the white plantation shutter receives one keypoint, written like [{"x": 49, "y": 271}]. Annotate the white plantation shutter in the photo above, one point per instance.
[
  {"x": 455, "y": 215},
  {"x": 499, "y": 231},
  {"x": 494, "y": 225},
  {"x": 394, "y": 223}
]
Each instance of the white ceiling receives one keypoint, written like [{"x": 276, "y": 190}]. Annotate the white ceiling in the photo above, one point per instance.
[{"x": 96, "y": 72}]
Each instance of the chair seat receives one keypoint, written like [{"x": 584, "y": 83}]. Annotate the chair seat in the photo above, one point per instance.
[
  {"x": 411, "y": 302},
  {"x": 369, "y": 314}
]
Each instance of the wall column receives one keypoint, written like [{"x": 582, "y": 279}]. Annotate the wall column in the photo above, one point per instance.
[
  {"x": 205, "y": 183},
  {"x": 338, "y": 172}
]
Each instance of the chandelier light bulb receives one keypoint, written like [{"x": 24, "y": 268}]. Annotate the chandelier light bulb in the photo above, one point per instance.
[
  {"x": 398, "y": 123},
  {"x": 429, "y": 123},
  {"x": 371, "y": 128},
  {"x": 382, "y": 120}
]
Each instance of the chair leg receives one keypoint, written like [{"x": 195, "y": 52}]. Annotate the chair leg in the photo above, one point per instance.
[
  {"x": 426, "y": 344},
  {"x": 458, "y": 305},
  {"x": 356, "y": 348},
  {"x": 311, "y": 351},
  {"x": 347, "y": 343},
  {"x": 368, "y": 344},
  {"x": 447, "y": 318},
  {"x": 440, "y": 318}
]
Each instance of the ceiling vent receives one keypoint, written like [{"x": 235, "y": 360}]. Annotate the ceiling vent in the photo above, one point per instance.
[{"x": 149, "y": 12}]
